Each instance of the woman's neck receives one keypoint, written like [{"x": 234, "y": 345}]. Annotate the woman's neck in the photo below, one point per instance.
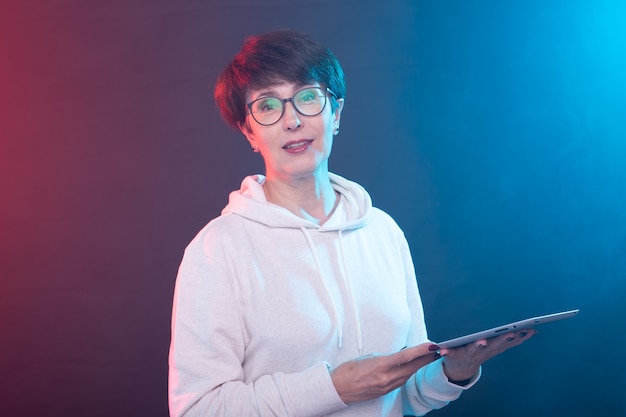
[{"x": 313, "y": 199}]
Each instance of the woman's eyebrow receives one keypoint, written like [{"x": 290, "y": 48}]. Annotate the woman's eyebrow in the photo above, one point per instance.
[
  {"x": 265, "y": 93},
  {"x": 272, "y": 93}
]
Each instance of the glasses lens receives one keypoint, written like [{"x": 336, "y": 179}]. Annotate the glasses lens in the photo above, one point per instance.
[
  {"x": 267, "y": 110},
  {"x": 310, "y": 101}
]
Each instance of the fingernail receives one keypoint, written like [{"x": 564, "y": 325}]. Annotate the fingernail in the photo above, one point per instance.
[
  {"x": 433, "y": 348},
  {"x": 403, "y": 348},
  {"x": 510, "y": 339},
  {"x": 522, "y": 334}
]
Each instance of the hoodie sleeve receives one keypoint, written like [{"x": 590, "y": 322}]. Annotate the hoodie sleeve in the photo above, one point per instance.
[
  {"x": 429, "y": 388},
  {"x": 207, "y": 350}
]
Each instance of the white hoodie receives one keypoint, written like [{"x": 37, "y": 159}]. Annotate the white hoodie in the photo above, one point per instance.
[{"x": 267, "y": 302}]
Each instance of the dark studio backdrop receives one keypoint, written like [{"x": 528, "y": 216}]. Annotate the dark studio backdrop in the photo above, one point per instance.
[{"x": 493, "y": 132}]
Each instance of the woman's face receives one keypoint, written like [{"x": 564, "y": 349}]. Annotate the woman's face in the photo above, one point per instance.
[{"x": 297, "y": 146}]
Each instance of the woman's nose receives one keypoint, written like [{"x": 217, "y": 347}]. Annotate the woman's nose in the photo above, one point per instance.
[{"x": 292, "y": 117}]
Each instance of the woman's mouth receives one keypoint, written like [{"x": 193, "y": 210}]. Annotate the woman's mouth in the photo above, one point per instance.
[{"x": 297, "y": 146}]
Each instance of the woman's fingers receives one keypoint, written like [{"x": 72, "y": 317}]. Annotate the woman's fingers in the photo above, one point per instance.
[
  {"x": 425, "y": 350},
  {"x": 493, "y": 347},
  {"x": 463, "y": 362},
  {"x": 375, "y": 375}
]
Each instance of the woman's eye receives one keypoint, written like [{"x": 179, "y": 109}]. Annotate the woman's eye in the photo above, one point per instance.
[
  {"x": 267, "y": 105},
  {"x": 307, "y": 96}
]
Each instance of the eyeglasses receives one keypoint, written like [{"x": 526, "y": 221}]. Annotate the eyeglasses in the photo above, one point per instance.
[{"x": 309, "y": 101}]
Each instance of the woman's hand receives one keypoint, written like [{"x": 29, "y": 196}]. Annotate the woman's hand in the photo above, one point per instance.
[
  {"x": 462, "y": 363},
  {"x": 371, "y": 376}
]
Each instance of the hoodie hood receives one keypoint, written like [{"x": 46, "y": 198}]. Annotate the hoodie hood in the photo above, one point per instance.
[{"x": 353, "y": 210}]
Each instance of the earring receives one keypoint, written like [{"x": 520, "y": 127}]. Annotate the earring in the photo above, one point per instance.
[
  {"x": 336, "y": 130},
  {"x": 255, "y": 149}
]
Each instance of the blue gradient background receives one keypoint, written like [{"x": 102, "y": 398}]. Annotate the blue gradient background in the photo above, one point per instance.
[{"x": 493, "y": 132}]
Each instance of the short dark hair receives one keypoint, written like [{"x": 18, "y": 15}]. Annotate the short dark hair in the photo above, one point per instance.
[{"x": 272, "y": 58}]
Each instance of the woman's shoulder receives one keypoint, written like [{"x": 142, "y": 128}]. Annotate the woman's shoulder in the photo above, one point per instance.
[
  {"x": 379, "y": 215},
  {"x": 218, "y": 231},
  {"x": 382, "y": 224}
]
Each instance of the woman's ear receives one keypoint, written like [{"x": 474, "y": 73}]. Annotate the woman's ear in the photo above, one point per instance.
[
  {"x": 245, "y": 129},
  {"x": 337, "y": 115},
  {"x": 339, "y": 108}
]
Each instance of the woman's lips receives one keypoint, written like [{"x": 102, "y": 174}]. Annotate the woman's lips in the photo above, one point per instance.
[{"x": 296, "y": 146}]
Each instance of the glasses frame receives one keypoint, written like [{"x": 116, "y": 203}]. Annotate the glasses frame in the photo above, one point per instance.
[{"x": 290, "y": 99}]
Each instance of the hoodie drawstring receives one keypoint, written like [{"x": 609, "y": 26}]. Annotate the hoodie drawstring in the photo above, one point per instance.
[
  {"x": 355, "y": 309},
  {"x": 330, "y": 298},
  {"x": 348, "y": 286}
]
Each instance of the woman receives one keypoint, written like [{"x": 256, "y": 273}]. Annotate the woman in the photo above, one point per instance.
[{"x": 301, "y": 298}]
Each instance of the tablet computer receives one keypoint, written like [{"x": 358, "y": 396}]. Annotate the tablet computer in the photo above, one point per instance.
[{"x": 507, "y": 328}]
